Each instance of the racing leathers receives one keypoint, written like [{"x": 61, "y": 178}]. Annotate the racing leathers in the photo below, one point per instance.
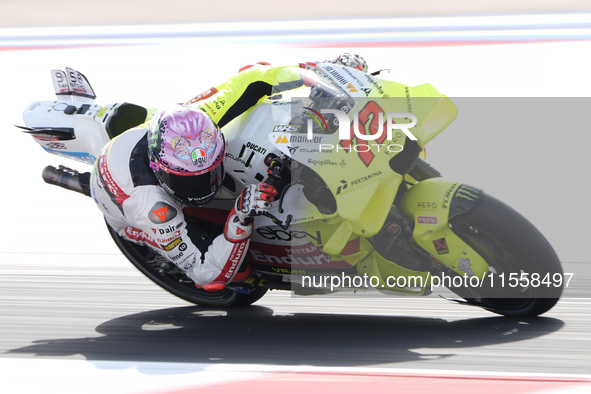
[{"x": 140, "y": 210}]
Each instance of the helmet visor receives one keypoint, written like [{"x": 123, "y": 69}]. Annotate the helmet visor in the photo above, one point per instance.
[{"x": 194, "y": 188}]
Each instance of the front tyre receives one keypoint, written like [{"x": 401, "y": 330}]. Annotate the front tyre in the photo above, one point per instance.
[
  {"x": 510, "y": 244},
  {"x": 173, "y": 280}
]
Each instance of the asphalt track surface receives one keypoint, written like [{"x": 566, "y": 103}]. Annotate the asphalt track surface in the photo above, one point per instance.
[
  {"x": 88, "y": 303},
  {"x": 111, "y": 312}
]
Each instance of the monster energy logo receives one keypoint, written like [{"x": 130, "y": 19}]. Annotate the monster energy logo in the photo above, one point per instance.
[{"x": 467, "y": 193}]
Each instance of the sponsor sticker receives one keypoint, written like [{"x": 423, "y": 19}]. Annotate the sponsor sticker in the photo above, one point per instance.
[
  {"x": 175, "y": 242},
  {"x": 166, "y": 239},
  {"x": 441, "y": 246},
  {"x": 466, "y": 266},
  {"x": 56, "y": 145},
  {"x": 282, "y": 139},
  {"x": 393, "y": 228},
  {"x": 199, "y": 156},
  {"x": 287, "y": 128},
  {"x": 427, "y": 220},
  {"x": 201, "y": 96},
  {"x": 161, "y": 212},
  {"x": 118, "y": 196},
  {"x": 138, "y": 235}
]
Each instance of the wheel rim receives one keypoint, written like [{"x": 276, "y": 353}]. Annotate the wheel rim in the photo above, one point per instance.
[{"x": 500, "y": 261}]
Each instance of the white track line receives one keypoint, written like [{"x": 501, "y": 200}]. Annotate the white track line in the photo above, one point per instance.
[{"x": 506, "y": 28}]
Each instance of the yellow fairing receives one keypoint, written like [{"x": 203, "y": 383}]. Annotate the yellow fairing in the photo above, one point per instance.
[
  {"x": 365, "y": 187},
  {"x": 393, "y": 277},
  {"x": 435, "y": 110},
  {"x": 428, "y": 204},
  {"x": 359, "y": 176},
  {"x": 389, "y": 275},
  {"x": 367, "y": 207}
]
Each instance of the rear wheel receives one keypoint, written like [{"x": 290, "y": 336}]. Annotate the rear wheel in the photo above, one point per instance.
[
  {"x": 173, "y": 280},
  {"x": 511, "y": 245}
]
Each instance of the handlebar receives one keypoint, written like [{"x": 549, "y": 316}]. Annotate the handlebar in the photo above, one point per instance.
[{"x": 279, "y": 177}]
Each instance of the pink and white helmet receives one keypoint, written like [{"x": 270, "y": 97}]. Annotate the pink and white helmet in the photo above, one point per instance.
[{"x": 187, "y": 152}]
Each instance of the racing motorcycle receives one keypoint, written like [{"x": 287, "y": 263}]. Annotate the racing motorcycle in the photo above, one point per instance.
[{"x": 359, "y": 208}]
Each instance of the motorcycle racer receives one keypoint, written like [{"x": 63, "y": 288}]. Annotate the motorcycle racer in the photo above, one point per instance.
[
  {"x": 144, "y": 178},
  {"x": 361, "y": 221}
]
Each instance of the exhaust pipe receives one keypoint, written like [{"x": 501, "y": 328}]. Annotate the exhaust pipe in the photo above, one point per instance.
[{"x": 68, "y": 179}]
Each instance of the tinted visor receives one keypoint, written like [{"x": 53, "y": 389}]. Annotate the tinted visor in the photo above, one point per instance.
[{"x": 192, "y": 188}]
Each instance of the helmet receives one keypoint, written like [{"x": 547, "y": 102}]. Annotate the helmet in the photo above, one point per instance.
[{"x": 186, "y": 151}]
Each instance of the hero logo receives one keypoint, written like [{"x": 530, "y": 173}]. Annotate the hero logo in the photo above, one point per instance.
[{"x": 283, "y": 235}]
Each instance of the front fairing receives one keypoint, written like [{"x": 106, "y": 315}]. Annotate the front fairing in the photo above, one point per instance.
[
  {"x": 358, "y": 185},
  {"x": 353, "y": 160}
]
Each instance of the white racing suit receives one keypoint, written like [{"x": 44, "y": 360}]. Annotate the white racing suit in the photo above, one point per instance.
[{"x": 127, "y": 192}]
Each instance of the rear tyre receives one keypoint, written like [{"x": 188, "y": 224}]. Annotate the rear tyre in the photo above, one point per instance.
[
  {"x": 173, "y": 280},
  {"x": 510, "y": 244}
]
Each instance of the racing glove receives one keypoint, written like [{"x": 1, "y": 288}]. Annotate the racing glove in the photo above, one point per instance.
[
  {"x": 353, "y": 61},
  {"x": 255, "y": 200}
]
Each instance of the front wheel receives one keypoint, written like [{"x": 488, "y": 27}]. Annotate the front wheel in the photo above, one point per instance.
[
  {"x": 173, "y": 280},
  {"x": 513, "y": 248}
]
